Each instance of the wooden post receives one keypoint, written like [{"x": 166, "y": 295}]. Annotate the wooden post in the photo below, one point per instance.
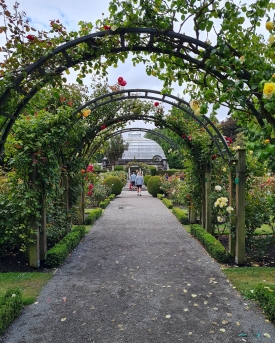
[
  {"x": 231, "y": 202},
  {"x": 34, "y": 252},
  {"x": 203, "y": 198},
  {"x": 43, "y": 230},
  {"x": 192, "y": 213},
  {"x": 240, "y": 207},
  {"x": 208, "y": 209},
  {"x": 81, "y": 202}
]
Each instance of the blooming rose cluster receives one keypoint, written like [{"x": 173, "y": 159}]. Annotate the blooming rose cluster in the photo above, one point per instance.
[
  {"x": 221, "y": 202},
  {"x": 218, "y": 188},
  {"x": 121, "y": 81},
  {"x": 90, "y": 188}
]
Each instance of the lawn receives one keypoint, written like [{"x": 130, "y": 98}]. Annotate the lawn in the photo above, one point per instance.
[
  {"x": 245, "y": 279},
  {"x": 29, "y": 283}
]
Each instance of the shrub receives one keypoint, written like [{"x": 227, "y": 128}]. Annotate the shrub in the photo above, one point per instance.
[
  {"x": 105, "y": 203},
  {"x": 92, "y": 216},
  {"x": 11, "y": 305},
  {"x": 180, "y": 214},
  {"x": 146, "y": 178},
  {"x": 114, "y": 183},
  {"x": 160, "y": 196},
  {"x": 168, "y": 203},
  {"x": 118, "y": 168},
  {"x": 153, "y": 185},
  {"x": 211, "y": 244},
  {"x": 153, "y": 170},
  {"x": 57, "y": 255},
  {"x": 265, "y": 295},
  {"x": 112, "y": 196}
]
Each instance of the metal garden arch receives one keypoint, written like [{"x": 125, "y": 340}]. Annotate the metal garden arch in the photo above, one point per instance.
[{"x": 55, "y": 62}]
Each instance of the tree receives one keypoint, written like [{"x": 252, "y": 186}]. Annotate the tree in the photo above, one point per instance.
[
  {"x": 115, "y": 149},
  {"x": 229, "y": 128}
]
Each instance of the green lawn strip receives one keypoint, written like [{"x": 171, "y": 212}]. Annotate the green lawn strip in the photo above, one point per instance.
[
  {"x": 30, "y": 284},
  {"x": 246, "y": 279}
]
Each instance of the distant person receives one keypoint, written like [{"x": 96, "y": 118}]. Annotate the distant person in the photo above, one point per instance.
[
  {"x": 139, "y": 183},
  {"x": 166, "y": 176},
  {"x": 133, "y": 181}
]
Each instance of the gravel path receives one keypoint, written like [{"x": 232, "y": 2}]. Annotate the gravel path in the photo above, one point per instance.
[{"x": 139, "y": 277}]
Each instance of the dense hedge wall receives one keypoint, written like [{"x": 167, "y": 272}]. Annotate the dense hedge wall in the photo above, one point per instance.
[
  {"x": 211, "y": 244},
  {"x": 93, "y": 215},
  {"x": 57, "y": 255},
  {"x": 181, "y": 214}
]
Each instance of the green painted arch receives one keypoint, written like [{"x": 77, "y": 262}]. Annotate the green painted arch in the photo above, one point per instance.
[
  {"x": 203, "y": 121},
  {"x": 50, "y": 66}
]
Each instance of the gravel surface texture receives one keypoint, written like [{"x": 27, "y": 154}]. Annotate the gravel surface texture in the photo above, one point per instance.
[{"x": 139, "y": 277}]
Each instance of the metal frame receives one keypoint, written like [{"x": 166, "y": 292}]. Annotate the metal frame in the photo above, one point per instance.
[
  {"x": 172, "y": 100},
  {"x": 54, "y": 63}
]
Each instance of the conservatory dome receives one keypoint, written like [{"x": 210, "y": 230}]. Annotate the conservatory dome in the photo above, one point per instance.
[{"x": 141, "y": 148}]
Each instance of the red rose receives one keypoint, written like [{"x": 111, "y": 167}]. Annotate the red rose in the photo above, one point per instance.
[
  {"x": 120, "y": 79},
  {"x": 123, "y": 83},
  {"x": 90, "y": 168},
  {"x": 103, "y": 127},
  {"x": 89, "y": 193},
  {"x": 183, "y": 136},
  {"x": 30, "y": 37},
  {"x": 156, "y": 103},
  {"x": 214, "y": 157},
  {"x": 107, "y": 27},
  {"x": 90, "y": 187}
]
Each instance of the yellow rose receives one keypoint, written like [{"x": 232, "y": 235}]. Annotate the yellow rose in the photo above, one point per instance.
[
  {"x": 266, "y": 141},
  {"x": 195, "y": 106},
  {"x": 86, "y": 113},
  {"x": 269, "y": 25},
  {"x": 269, "y": 90}
]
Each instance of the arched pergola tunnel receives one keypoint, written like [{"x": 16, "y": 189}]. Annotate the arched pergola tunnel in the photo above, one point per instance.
[
  {"x": 49, "y": 68},
  {"x": 236, "y": 178}
]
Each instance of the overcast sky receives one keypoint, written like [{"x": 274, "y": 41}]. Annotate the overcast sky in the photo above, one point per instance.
[{"x": 70, "y": 12}]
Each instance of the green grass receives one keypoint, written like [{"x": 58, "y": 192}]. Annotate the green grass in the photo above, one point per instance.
[
  {"x": 247, "y": 278},
  {"x": 29, "y": 283}
]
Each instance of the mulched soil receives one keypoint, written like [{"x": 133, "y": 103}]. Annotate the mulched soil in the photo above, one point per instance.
[
  {"x": 268, "y": 259},
  {"x": 14, "y": 261}
]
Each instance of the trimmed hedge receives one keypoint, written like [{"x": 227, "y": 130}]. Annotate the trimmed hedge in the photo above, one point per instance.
[
  {"x": 146, "y": 178},
  {"x": 93, "y": 215},
  {"x": 57, "y": 255},
  {"x": 168, "y": 203},
  {"x": 112, "y": 196},
  {"x": 170, "y": 172},
  {"x": 211, "y": 244},
  {"x": 160, "y": 196},
  {"x": 265, "y": 295},
  {"x": 181, "y": 214},
  {"x": 114, "y": 183},
  {"x": 104, "y": 203},
  {"x": 118, "y": 168},
  {"x": 153, "y": 186},
  {"x": 11, "y": 305}
]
